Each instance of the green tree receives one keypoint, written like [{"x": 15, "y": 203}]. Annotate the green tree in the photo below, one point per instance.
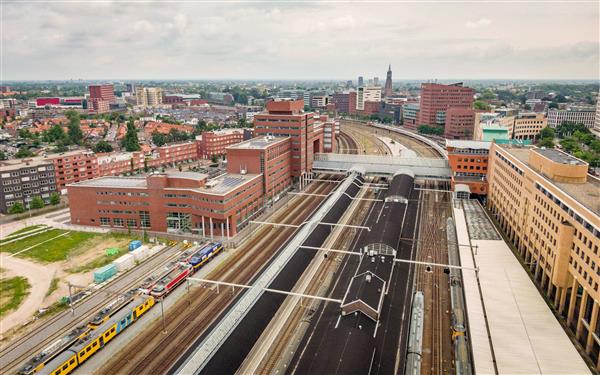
[
  {"x": 55, "y": 133},
  {"x": 37, "y": 202},
  {"x": 23, "y": 152},
  {"x": 3, "y": 155},
  {"x": 103, "y": 146},
  {"x": 54, "y": 199},
  {"x": 16, "y": 208},
  {"x": 131, "y": 141},
  {"x": 25, "y": 133},
  {"x": 214, "y": 158},
  {"x": 547, "y": 133},
  {"x": 479, "y": 104},
  {"x": 546, "y": 142},
  {"x": 74, "y": 132},
  {"x": 158, "y": 139}
]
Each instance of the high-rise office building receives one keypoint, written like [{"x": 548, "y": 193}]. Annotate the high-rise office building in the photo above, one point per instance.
[
  {"x": 101, "y": 97},
  {"x": 437, "y": 98},
  {"x": 286, "y": 118},
  {"x": 148, "y": 96},
  {"x": 547, "y": 205},
  {"x": 387, "y": 90},
  {"x": 361, "y": 81},
  {"x": 376, "y": 81},
  {"x": 367, "y": 94}
]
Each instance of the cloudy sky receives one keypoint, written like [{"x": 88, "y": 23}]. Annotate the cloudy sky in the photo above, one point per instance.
[{"x": 198, "y": 39}]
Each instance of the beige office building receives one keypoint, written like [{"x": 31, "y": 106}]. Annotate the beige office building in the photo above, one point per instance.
[
  {"x": 525, "y": 126},
  {"x": 549, "y": 208},
  {"x": 367, "y": 94},
  {"x": 149, "y": 96}
]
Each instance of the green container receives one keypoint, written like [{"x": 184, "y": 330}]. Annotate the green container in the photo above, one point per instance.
[
  {"x": 112, "y": 251},
  {"x": 104, "y": 273}
]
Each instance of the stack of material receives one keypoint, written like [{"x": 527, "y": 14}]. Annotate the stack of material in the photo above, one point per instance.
[{"x": 124, "y": 263}]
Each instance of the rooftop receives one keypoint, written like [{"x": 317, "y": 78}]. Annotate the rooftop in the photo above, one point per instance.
[
  {"x": 468, "y": 144},
  {"x": 259, "y": 142},
  {"x": 525, "y": 336},
  {"x": 12, "y": 164},
  {"x": 558, "y": 156},
  {"x": 115, "y": 182},
  {"x": 588, "y": 193}
]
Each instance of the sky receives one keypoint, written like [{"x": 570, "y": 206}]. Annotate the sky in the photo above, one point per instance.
[{"x": 199, "y": 39}]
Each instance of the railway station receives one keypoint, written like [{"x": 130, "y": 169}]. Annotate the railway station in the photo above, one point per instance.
[{"x": 367, "y": 262}]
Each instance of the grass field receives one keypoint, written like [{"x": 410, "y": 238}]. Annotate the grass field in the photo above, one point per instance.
[
  {"x": 12, "y": 292},
  {"x": 51, "y": 246},
  {"x": 58, "y": 245},
  {"x": 16, "y": 234},
  {"x": 53, "y": 286}
]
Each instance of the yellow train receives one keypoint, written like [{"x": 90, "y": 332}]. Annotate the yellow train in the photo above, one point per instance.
[{"x": 85, "y": 347}]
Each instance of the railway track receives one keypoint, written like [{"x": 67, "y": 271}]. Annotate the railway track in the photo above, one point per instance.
[
  {"x": 318, "y": 286},
  {"x": 437, "y": 345},
  {"x": 364, "y": 140},
  {"x": 153, "y": 353},
  {"x": 14, "y": 363},
  {"x": 418, "y": 146}
]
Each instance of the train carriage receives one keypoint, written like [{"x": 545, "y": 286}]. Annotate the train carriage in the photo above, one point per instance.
[
  {"x": 84, "y": 348},
  {"x": 205, "y": 255}
]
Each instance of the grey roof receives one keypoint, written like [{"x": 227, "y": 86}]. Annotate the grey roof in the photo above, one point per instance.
[
  {"x": 468, "y": 144},
  {"x": 259, "y": 142},
  {"x": 558, "y": 156},
  {"x": 115, "y": 182}
]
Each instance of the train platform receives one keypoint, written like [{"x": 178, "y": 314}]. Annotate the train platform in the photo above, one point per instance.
[{"x": 512, "y": 330}]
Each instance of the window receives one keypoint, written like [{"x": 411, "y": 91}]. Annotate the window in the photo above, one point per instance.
[
  {"x": 145, "y": 219},
  {"x": 131, "y": 223},
  {"x": 104, "y": 221},
  {"x": 118, "y": 222}
]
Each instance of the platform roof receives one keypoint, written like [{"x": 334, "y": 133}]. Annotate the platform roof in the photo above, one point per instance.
[{"x": 525, "y": 336}]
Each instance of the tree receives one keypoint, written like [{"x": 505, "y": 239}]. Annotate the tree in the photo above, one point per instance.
[
  {"x": 55, "y": 133},
  {"x": 25, "y": 133},
  {"x": 54, "y": 199},
  {"x": 37, "y": 202},
  {"x": 158, "y": 139},
  {"x": 103, "y": 146},
  {"x": 426, "y": 129},
  {"x": 23, "y": 152},
  {"x": 131, "y": 141},
  {"x": 546, "y": 142},
  {"x": 478, "y": 104},
  {"x": 214, "y": 158},
  {"x": 3, "y": 155},
  {"x": 547, "y": 133},
  {"x": 567, "y": 128},
  {"x": 74, "y": 131},
  {"x": 16, "y": 208}
]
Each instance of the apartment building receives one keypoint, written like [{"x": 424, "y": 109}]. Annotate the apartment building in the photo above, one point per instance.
[
  {"x": 74, "y": 166},
  {"x": 214, "y": 143},
  {"x": 367, "y": 94},
  {"x": 148, "y": 96},
  {"x": 586, "y": 116},
  {"x": 23, "y": 180},
  {"x": 549, "y": 208},
  {"x": 101, "y": 97}
]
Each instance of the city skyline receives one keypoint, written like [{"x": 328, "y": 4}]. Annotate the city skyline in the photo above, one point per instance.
[{"x": 261, "y": 41}]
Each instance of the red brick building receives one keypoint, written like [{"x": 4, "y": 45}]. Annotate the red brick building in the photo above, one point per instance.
[
  {"x": 74, "y": 166},
  {"x": 286, "y": 118},
  {"x": 469, "y": 163},
  {"x": 460, "y": 123},
  {"x": 215, "y": 142},
  {"x": 437, "y": 98},
  {"x": 187, "y": 202},
  {"x": 101, "y": 97}
]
